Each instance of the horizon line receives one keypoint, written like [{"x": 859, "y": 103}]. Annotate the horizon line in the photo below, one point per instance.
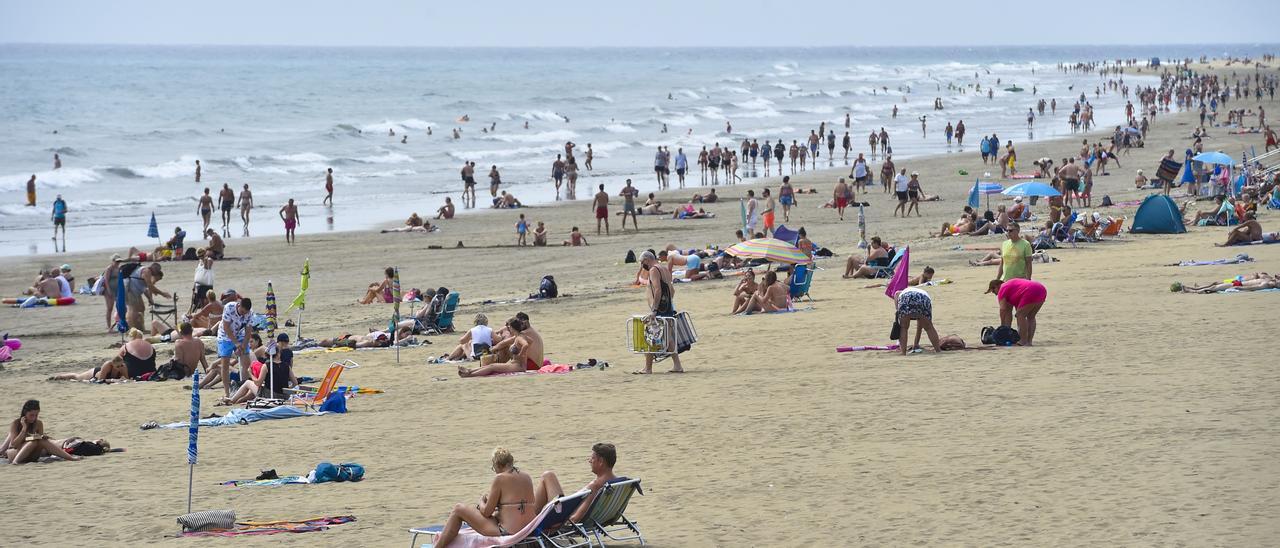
[{"x": 646, "y": 47}]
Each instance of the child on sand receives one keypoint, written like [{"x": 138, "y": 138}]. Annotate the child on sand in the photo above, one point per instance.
[{"x": 522, "y": 230}]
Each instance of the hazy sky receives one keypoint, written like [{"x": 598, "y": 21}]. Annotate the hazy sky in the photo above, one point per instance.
[{"x": 638, "y": 23}]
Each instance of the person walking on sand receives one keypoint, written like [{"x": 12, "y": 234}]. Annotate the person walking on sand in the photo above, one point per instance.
[
  {"x": 601, "y": 206},
  {"x": 328, "y": 187},
  {"x": 197, "y": 171},
  {"x": 289, "y": 214},
  {"x": 840, "y": 197},
  {"x": 31, "y": 191},
  {"x": 204, "y": 206},
  {"x": 246, "y": 205},
  {"x": 660, "y": 295},
  {"x": 628, "y": 195},
  {"x": 228, "y": 199},
  {"x": 59, "y": 218}
]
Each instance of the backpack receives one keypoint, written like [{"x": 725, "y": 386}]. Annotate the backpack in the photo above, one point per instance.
[
  {"x": 630, "y": 258},
  {"x": 169, "y": 371},
  {"x": 1005, "y": 336},
  {"x": 547, "y": 289},
  {"x": 127, "y": 269},
  {"x": 189, "y": 254},
  {"x": 986, "y": 335},
  {"x": 1106, "y": 201}
]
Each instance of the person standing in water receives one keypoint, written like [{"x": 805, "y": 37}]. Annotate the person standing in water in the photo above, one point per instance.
[
  {"x": 246, "y": 204},
  {"x": 590, "y": 156},
  {"x": 289, "y": 214},
  {"x": 59, "y": 218},
  {"x": 205, "y": 208},
  {"x": 228, "y": 199},
  {"x": 197, "y": 171},
  {"x": 328, "y": 188},
  {"x": 31, "y": 191},
  {"x": 57, "y": 161}
]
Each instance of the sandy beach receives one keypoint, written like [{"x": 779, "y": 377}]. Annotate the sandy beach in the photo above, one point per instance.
[{"x": 1141, "y": 417}]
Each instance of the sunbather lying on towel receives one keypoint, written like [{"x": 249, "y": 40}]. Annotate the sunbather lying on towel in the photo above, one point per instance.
[
  {"x": 1251, "y": 282},
  {"x": 375, "y": 339},
  {"x": 507, "y": 508},
  {"x": 526, "y": 351},
  {"x": 111, "y": 369}
]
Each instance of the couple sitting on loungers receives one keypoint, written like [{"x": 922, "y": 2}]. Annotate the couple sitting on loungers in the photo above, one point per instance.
[
  {"x": 514, "y": 500},
  {"x": 519, "y": 349}
]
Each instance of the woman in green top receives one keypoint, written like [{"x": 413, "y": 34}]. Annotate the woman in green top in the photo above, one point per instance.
[{"x": 1015, "y": 256}]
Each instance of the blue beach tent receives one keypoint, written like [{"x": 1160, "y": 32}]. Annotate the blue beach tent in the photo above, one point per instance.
[{"x": 1158, "y": 214}]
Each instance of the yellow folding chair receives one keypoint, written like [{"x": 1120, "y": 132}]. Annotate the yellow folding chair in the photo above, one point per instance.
[{"x": 313, "y": 398}]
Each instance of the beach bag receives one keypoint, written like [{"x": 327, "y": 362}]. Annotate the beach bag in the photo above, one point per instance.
[
  {"x": 547, "y": 289},
  {"x": 189, "y": 254},
  {"x": 204, "y": 276},
  {"x": 208, "y": 520},
  {"x": 169, "y": 371},
  {"x": 630, "y": 258},
  {"x": 348, "y": 471},
  {"x": 126, "y": 269},
  {"x": 1005, "y": 336},
  {"x": 1106, "y": 201},
  {"x": 895, "y": 330},
  {"x": 86, "y": 449},
  {"x": 335, "y": 403},
  {"x": 987, "y": 335}
]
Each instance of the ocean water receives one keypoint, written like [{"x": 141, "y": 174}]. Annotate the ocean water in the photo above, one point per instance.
[{"x": 130, "y": 121}]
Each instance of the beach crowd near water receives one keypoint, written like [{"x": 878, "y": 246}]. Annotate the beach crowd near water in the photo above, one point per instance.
[{"x": 752, "y": 226}]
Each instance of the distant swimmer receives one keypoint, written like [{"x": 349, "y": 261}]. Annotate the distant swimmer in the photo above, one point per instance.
[
  {"x": 526, "y": 124},
  {"x": 289, "y": 214},
  {"x": 492, "y": 127},
  {"x": 895, "y": 111},
  {"x": 405, "y": 139},
  {"x": 428, "y": 131},
  {"x": 391, "y": 132},
  {"x": 31, "y": 191},
  {"x": 664, "y": 128},
  {"x": 728, "y": 127},
  {"x": 846, "y": 120},
  {"x": 57, "y": 161},
  {"x": 197, "y": 171},
  {"x": 464, "y": 118},
  {"x": 204, "y": 207},
  {"x": 670, "y": 97},
  {"x": 455, "y": 134},
  {"x": 328, "y": 187}
]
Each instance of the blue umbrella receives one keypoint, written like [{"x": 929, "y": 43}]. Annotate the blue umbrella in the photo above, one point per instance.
[
  {"x": 974, "y": 200},
  {"x": 1031, "y": 189},
  {"x": 1214, "y": 158},
  {"x": 193, "y": 434},
  {"x": 985, "y": 187},
  {"x": 121, "y": 308},
  {"x": 153, "y": 231}
]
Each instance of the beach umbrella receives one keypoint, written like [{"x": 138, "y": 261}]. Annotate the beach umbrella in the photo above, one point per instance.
[
  {"x": 862, "y": 227},
  {"x": 395, "y": 314},
  {"x": 742, "y": 211},
  {"x": 300, "y": 302},
  {"x": 974, "y": 200},
  {"x": 153, "y": 230},
  {"x": 769, "y": 249},
  {"x": 271, "y": 332},
  {"x": 1214, "y": 158},
  {"x": 193, "y": 434},
  {"x": 122, "y": 309},
  {"x": 988, "y": 188},
  {"x": 1031, "y": 189},
  {"x": 899, "y": 281}
]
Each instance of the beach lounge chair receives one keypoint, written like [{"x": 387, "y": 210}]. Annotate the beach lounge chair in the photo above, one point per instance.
[
  {"x": 166, "y": 314},
  {"x": 801, "y": 279},
  {"x": 548, "y": 530},
  {"x": 313, "y": 398},
  {"x": 605, "y": 517},
  {"x": 1113, "y": 229},
  {"x": 444, "y": 322}
]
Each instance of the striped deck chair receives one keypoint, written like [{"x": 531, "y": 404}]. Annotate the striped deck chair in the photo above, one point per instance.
[
  {"x": 605, "y": 517},
  {"x": 314, "y": 398},
  {"x": 887, "y": 271}
]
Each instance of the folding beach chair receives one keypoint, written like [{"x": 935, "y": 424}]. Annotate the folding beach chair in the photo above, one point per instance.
[
  {"x": 1114, "y": 228},
  {"x": 605, "y": 517},
  {"x": 801, "y": 279},
  {"x": 551, "y": 529},
  {"x": 887, "y": 271},
  {"x": 660, "y": 336},
  {"x": 444, "y": 322},
  {"x": 314, "y": 397},
  {"x": 166, "y": 314}
]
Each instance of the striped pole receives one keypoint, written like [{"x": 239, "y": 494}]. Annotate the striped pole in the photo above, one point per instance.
[{"x": 193, "y": 433}]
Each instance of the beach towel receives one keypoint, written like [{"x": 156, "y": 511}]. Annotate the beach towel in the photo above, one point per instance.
[
  {"x": 1233, "y": 290},
  {"x": 865, "y": 348},
  {"x": 273, "y": 527},
  {"x": 286, "y": 480},
  {"x": 246, "y": 416},
  {"x": 1241, "y": 258},
  {"x": 469, "y": 538}
]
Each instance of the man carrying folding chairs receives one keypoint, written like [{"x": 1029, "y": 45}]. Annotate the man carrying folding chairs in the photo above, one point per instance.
[{"x": 661, "y": 293}]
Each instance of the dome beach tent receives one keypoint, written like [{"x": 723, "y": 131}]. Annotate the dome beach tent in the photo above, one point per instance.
[{"x": 1158, "y": 214}]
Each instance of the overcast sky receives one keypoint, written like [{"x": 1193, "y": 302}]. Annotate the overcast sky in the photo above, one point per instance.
[{"x": 638, "y": 22}]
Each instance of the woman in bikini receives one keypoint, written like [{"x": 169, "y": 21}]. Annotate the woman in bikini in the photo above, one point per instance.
[
  {"x": 380, "y": 291},
  {"x": 109, "y": 370},
  {"x": 27, "y": 442},
  {"x": 526, "y": 352},
  {"x": 507, "y": 508}
]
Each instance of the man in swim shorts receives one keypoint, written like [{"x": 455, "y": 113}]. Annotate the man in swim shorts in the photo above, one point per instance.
[
  {"x": 227, "y": 198},
  {"x": 840, "y": 197},
  {"x": 289, "y": 214},
  {"x": 601, "y": 206},
  {"x": 233, "y": 343},
  {"x": 629, "y": 194}
]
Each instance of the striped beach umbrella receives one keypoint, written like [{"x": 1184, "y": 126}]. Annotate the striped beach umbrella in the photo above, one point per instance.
[
  {"x": 862, "y": 227},
  {"x": 271, "y": 333},
  {"x": 122, "y": 309},
  {"x": 395, "y": 313},
  {"x": 153, "y": 230},
  {"x": 193, "y": 434},
  {"x": 769, "y": 249}
]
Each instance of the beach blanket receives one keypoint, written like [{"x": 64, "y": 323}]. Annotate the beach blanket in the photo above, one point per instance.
[
  {"x": 1233, "y": 290},
  {"x": 885, "y": 347},
  {"x": 286, "y": 480},
  {"x": 273, "y": 527},
  {"x": 1241, "y": 258},
  {"x": 246, "y": 416},
  {"x": 1168, "y": 170}
]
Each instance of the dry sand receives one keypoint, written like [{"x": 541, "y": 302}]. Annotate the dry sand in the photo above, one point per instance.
[{"x": 1141, "y": 417}]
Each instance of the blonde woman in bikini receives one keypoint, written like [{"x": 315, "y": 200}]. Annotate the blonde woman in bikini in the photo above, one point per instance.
[{"x": 507, "y": 508}]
